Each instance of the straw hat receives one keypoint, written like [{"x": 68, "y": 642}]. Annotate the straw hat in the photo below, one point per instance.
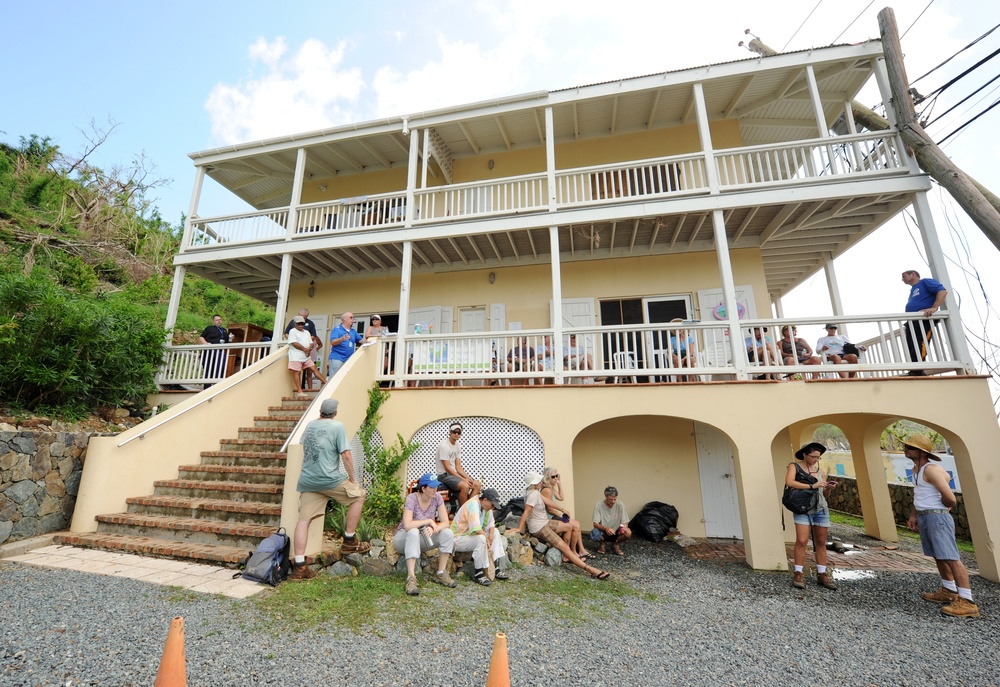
[{"x": 922, "y": 442}]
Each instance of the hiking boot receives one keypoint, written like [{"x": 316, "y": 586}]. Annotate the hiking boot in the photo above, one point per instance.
[
  {"x": 411, "y": 588},
  {"x": 443, "y": 578},
  {"x": 961, "y": 608},
  {"x": 941, "y": 596},
  {"x": 502, "y": 575},
  {"x": 301, "y": 572},
  {"x": 824, "y": 580},
  {"x": 798, "y": 581},
  {"x": 355, "y": 546}
]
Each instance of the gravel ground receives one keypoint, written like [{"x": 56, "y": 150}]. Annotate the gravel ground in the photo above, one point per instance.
[{"x": 700, "y": 623}]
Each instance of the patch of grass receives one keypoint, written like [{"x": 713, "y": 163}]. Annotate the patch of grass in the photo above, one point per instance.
[
  {"x": 855, "y": 521},
  {"x": 181, "y": 595},
  {"x": 362, "y": 602}
]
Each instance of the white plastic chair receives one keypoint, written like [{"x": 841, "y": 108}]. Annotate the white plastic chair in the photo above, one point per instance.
[{"x": 623, "y": 360}]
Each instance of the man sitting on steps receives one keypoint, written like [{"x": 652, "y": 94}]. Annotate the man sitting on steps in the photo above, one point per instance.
[{"x": 327, "y": 472}]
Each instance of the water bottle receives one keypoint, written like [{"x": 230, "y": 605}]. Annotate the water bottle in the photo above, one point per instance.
[
  {"x": 417, "y": 328},
  {"x": 431, "y": 330},
  {"x": 426, "y": 538}
]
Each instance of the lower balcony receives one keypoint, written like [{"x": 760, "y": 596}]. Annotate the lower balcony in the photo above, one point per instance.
[{"x": 692, "y": 352}]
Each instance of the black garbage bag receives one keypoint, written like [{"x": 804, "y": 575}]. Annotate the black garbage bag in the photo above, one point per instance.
[
  {"x": 654, "y": 521},
  {"x": 514, "y": 506}
]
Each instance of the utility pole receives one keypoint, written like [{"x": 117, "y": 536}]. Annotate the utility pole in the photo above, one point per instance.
[
  {"x": 923, "y": 147},
  {"x": 931, "y": 158}
]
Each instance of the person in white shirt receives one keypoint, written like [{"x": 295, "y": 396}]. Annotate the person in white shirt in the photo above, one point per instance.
[
  {"x": 611, "y": 522},
  {"x": 833, "y": 346},
  {"x": 300, "y": 348}
]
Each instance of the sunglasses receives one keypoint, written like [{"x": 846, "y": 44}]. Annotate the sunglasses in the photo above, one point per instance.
[
  {"x": 456, "y": 431},
  {"x": 554, "y": 476}
]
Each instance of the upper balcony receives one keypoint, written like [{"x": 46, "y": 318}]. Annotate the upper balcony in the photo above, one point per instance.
[{"x": 627, "y": 168}]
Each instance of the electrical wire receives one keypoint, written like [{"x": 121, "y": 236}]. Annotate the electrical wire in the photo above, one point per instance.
[
  {"x": 916, "y": 20},
  {"x": 802, "y": 24},
  {"x": 991, "y": 93},
  {"x": 934, "y": 69},
  {"x": 834, "y": 41},
  {"x": 963, "y": 100},
  {"x": 995, "y": 103},
  {"x": 977, "y": 65}
]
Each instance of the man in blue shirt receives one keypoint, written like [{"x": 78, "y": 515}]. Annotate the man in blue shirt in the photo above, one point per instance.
[
  {"x": 327, "y": 473},
  {"x": 343, "y": 340},
  {"x": 926, "y": 297}
]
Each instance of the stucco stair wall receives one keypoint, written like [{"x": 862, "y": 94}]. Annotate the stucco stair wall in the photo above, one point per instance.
[{"x": 214, "y": 512}]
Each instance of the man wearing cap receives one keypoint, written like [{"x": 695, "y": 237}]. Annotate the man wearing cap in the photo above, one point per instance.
[
  {"x": 931, "y": 515},
  {"x": 610, "y": 522},
  {"x": 926, "y": 297},
  {"x": 317, "y": 343},
  {"x": 327, "y": 472},
  {"x": 343, "y": 340},
  {"x": 300, "y": 349},
  {"x": 475, "y": 530},
  {"x": 449, "y": 466},
  {"x": 833, "y": 346}
]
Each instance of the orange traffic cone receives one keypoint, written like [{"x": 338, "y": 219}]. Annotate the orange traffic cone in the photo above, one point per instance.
[
  {"x": 499, "y": 675},
  {"x": 173, "y": 665}
]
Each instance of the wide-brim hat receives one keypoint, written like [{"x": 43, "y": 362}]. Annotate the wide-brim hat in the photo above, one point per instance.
[
  {"x": 809, "y": 448},
  {"x": 531, "y": 479},
  {"x": 922, "y": 442}
]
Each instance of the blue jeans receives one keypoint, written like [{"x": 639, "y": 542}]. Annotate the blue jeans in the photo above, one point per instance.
[{"x": 818, "y": 519}]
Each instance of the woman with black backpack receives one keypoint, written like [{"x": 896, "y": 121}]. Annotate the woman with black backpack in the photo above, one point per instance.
[{"x": 809, "y": 476}]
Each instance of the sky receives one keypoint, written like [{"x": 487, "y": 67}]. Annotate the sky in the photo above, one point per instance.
[{"x": 189, "y": 76}]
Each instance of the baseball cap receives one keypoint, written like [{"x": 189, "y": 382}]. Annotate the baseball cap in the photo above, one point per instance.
[
  {"x": 329, "y": 406},
  {"x": 299, "y": 319},
  {"x": 428, "y": 480},
  {"x": 830, "y": 326},
  {"x": 492, "y": 495}
]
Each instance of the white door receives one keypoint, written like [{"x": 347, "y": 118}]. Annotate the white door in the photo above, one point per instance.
[
  {"x": 719, "y": 498},
  {"x": 426, "y": 318},
  {"x": 321, "y": 331},
  {"x": 712, "y": 309},
  {"x": 578, "y": 312},
  {"x": 472, "y": 319}
]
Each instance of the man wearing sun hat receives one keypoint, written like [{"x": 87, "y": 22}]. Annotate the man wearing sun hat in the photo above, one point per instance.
[{"x": 931, "y": 515}]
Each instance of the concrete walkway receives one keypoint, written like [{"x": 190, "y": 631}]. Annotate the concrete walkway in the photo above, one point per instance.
[{"x": 207, "y": 579}]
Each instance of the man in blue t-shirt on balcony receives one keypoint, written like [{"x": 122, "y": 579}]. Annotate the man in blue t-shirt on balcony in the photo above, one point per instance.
[
  {"x": 926, "y": 297},
  {"x": 343, "y": 340}
]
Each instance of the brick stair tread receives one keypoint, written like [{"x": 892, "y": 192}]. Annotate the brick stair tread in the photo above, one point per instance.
[
  {"x": 252, "y": 507},
  {"x": 255, "y": 442},
  {"x": 277, "y": 418},
  {"x": 156, "y": 547},
  {"x": 273, "y": 455},
  {"x": 173, "y": 522},
  {"x": 240, "y": 469},
  {"x": 211, "y": 485},
  {"x": 262, "y": 430}
]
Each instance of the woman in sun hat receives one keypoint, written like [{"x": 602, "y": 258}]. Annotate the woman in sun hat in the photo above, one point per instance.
[
  {"x": 536, "y": 520},
  {"x": 809, "y": 475}
]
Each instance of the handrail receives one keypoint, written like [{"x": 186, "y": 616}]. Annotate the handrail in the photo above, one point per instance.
[{"x": 207, "y": 399}]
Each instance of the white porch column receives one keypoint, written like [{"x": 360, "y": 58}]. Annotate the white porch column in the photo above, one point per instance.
[
  {"x": 402, "y": 336},
  {"x": 550, "y": 158},
  {"x": 425, "y": 158},
  {"x": 199, "y": 180},
  {"x": 411, "y": 177},
  {"x": 779, "y": 311},
  {"x": 939, "y": 271},
  {"x": 817, "y": 104},
  {"x": 292, "y": 223},
  {"x": 834, "y": 290},
  {"x": 282, "y": 304},
  {"x": 882, "y": 79},
  {"x": 705, "y": 135},
  {"x": 736, "y": 349},
  {"x": 557, "y": 318},
  {"x": 175, "y": 301}
]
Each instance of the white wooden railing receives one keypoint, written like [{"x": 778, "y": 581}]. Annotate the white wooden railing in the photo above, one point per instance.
[
  {"x": 651, "y": 353},
  {"x": 800, "y": 162}
]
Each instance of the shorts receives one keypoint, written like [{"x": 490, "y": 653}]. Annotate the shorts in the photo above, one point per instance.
[
  {"x": 547, "y": 535},
  {"x": 300, "y": 365},
  {"x": 453, "y": 483},
  {"x": 312, "y": 504},
  {"x": 817, "y": 519},
  {"x": 937, "y": 535}
]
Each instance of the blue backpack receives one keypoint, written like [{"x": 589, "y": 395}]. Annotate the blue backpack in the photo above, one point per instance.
[{"x": 270, "y": 563}]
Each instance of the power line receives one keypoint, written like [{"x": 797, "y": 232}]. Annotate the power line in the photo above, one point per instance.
[
  {"x": 916, "y": 20},
  {"x": 934, "y": 69},
  {"x": 995, "y": 103},
  {"x": 859, "y": 17},
  {"x": 963, "y": 100},
  {"x": 802, "y": 24},
  {"x": 977, "y": 65}
]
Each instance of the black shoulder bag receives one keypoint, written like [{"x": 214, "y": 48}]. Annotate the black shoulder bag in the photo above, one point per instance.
[{"x": 800, "y": 501}]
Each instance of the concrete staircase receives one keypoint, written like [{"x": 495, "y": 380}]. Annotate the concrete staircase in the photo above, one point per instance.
[{"x": 214, "y": 512}]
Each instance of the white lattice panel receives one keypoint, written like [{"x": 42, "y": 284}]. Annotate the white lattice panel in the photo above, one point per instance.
[
  {"x": 495, "y": 451},
  {"x": 358, "y": 454}
]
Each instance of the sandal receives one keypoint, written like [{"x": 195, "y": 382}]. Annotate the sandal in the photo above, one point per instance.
[
  {"x": 586, "y": 556},
  {"x": 601, "y": 550},
  {"x": 601, "y": 575}
]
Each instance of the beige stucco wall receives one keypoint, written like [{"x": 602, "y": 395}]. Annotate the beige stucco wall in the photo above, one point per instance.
[{"x": 527, "y": 291}]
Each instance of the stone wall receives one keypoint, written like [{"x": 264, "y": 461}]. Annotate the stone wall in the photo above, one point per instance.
[
  {"x": 844, "y": 498},
  {"x": 39, "y": 478}
]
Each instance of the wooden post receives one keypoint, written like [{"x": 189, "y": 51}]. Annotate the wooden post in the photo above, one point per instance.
[{"x": 930, "y": 157}]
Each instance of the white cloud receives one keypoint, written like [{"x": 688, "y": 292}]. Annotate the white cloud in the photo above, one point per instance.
[{"x": 306, "y": 90}]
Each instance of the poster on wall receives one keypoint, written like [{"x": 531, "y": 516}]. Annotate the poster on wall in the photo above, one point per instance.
[{"x": 712, "y": 308}]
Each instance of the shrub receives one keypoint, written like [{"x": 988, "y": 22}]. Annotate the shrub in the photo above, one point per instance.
[
  {"x": 384, "y": 504},
  {"x": 66, "y": 353}
]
